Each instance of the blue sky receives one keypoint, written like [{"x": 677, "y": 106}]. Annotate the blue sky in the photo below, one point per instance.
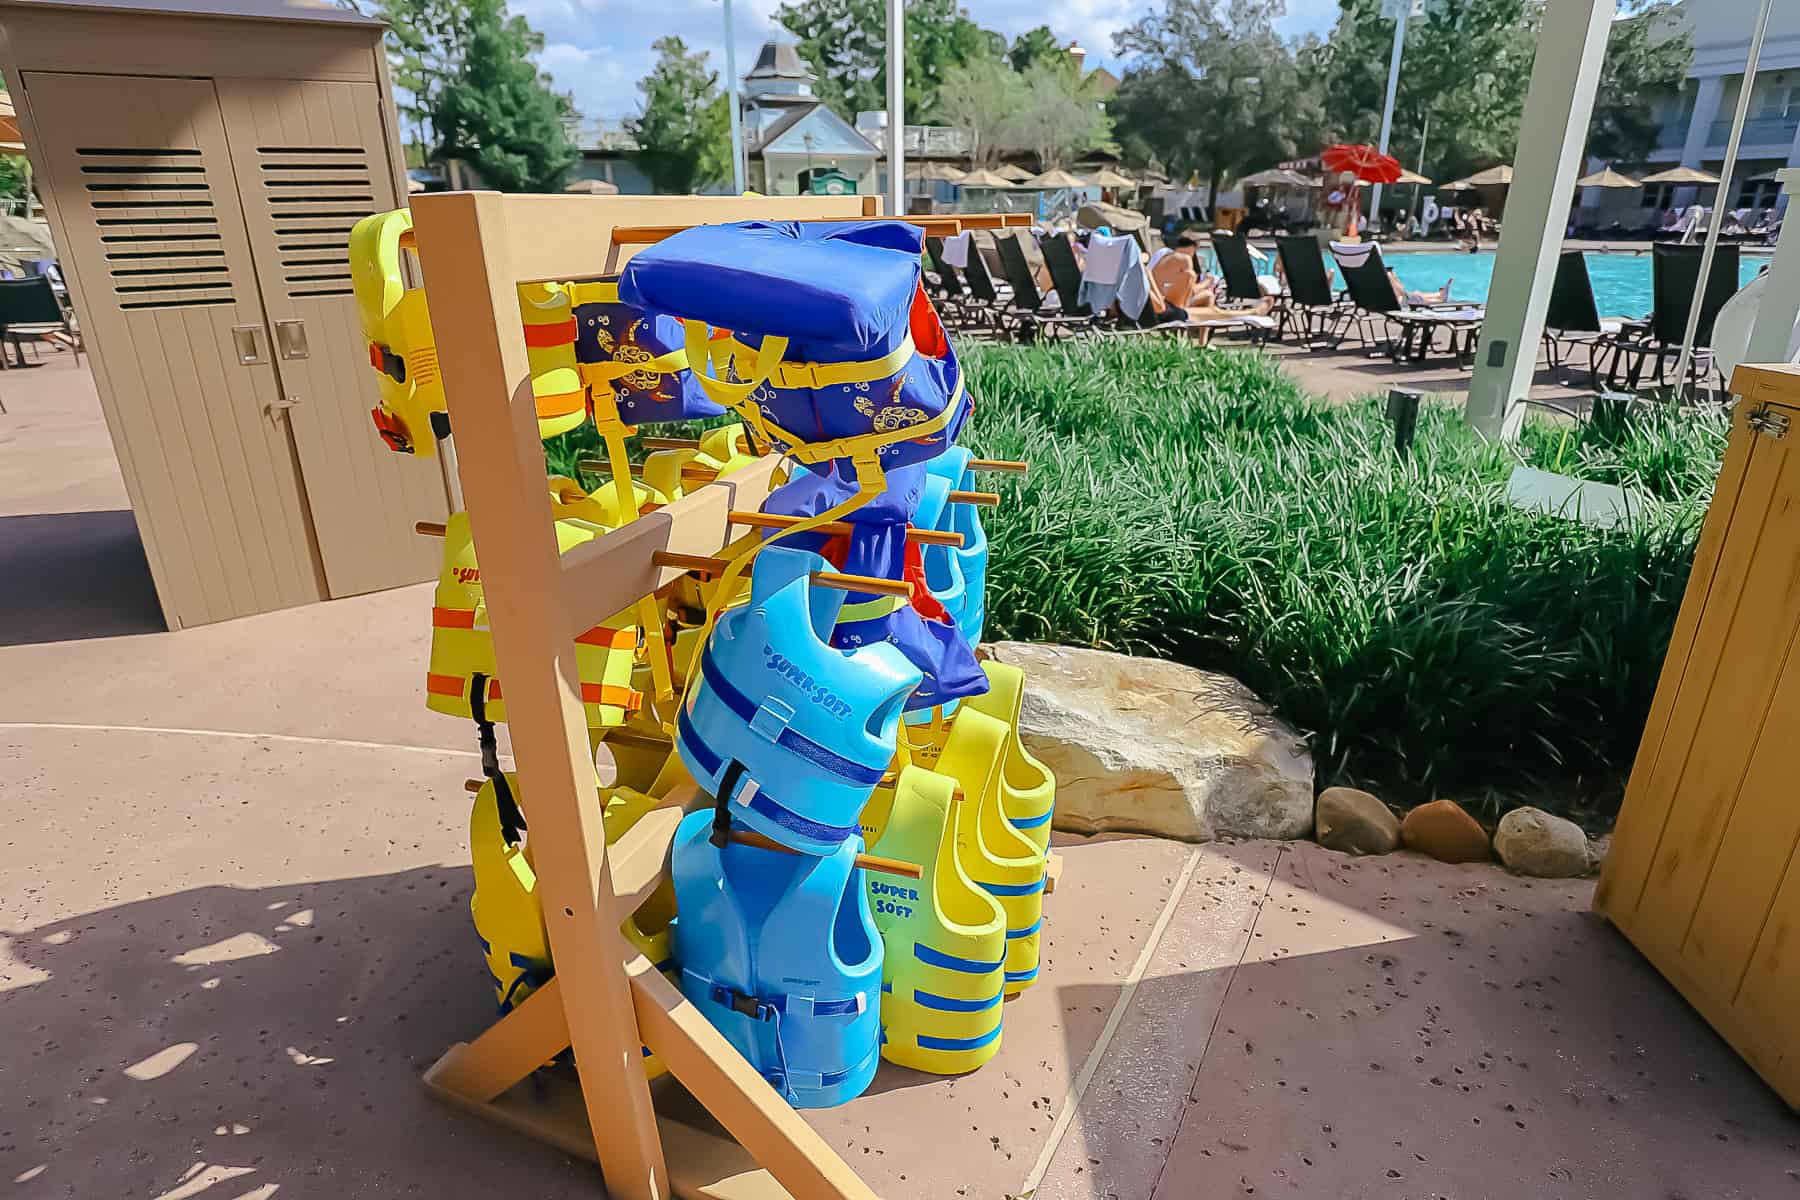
[{"x": 599, "y": 49}]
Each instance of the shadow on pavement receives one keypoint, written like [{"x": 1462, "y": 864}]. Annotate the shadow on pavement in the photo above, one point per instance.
[{"x": 70, "y": 576}]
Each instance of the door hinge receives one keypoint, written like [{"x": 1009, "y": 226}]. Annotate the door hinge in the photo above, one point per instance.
[{"x": 1771, "y": 424}]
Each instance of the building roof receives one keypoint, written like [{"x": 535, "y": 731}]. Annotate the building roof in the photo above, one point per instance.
[
  {"x": 266, "y": 10},
  {"x": 779, "y": 60},
  {"x": 847, "y": 139},
  {"x": 1103, "y": 83}
]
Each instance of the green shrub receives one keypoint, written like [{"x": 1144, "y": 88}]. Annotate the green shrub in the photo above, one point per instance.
[{"x": 1428, "y": 637}]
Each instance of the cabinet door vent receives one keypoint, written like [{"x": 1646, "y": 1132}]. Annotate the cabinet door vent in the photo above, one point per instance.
[
  {"x": 313, "y": 195},
  {"x": 153, "y": 206}
]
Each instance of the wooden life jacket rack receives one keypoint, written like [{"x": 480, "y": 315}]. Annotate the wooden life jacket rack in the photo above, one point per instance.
[{"x": 606, "y": 1000}]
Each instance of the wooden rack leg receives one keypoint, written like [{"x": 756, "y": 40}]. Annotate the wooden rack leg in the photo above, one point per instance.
[{"x": 512, "y": 1048}]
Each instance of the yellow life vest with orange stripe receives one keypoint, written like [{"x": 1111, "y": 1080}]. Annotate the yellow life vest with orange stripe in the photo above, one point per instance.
[
  {"x": 556, "y": 385},
  {"x": 462, "y": 646}
]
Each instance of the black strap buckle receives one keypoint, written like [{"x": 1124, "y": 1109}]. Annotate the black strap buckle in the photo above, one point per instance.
[{"x": 512, "y": 820}]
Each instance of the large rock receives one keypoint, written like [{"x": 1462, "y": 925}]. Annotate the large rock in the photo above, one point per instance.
[
  {"x": 1531, "y": 841},
  {"x": 1355, "y": 822},
  {"x": 1443, "y": 830},
  {"x": 1148, "y": 746}
]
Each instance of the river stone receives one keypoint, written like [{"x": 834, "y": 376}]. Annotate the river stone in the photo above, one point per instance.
[
  {"x": 1444, "y": 831},
  {"x": 1143, "y": 745},
  {"x": 1531, "y": 841},
  {"x": 1355, "y": 822}
]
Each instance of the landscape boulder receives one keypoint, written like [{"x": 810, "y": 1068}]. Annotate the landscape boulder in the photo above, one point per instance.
[
  {"x": 1355, "y": 822},
  {"x": 1444, "y": 831},
  {"x": 1143, "y": 745},
  {"x": 1531, "y": 841}
]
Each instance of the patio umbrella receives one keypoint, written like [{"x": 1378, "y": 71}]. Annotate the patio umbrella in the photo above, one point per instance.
[
  {"x": 9, "y": 126},
  {"x": 1412, "y": 177},
  {"x": 1500, "y": 176},
  {"x": 593, "y": 187},
  {"x": 1055, "y": 179},
  {"x": 1368, "y": 164},
  {"x": 1106, "y": 177},
  {"x": 943, "y": 172},
  {"x": 1682, "y": 175},
  {"x": 1277, "y": 177},
  {"x": 1608, "y": 178},
  {"x": 1013, "y": 173},
  {"x": 986, "y": 179}
]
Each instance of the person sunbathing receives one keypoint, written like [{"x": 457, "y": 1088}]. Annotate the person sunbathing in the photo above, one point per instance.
[
  {"x": 1180, "y": 283},
  {"x": 1441, "y": 296}
]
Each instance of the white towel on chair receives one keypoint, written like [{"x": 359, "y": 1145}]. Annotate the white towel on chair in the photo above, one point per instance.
[
  {"x": 1106, "y": 257},
  {"x": 956, "y": 251}
]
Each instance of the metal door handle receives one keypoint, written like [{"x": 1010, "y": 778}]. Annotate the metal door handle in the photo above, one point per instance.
[
  {"x": 248, "y": 341},
  {"x": 290, "y": 338}
]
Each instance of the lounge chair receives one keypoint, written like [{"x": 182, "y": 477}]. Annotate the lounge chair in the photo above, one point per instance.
[
  {"x": 1674, "y": 285},
  {"x": 1065, "y": 273},
  {"x": 1312, "y": 304},
  {"x": 1242, "y": 281},
  {"x": 1573, "y": 319},
  {"x": 1378, "y": 309},
  {"x": 29, "y": 310},
  {"x": 1031, "y": 316}
]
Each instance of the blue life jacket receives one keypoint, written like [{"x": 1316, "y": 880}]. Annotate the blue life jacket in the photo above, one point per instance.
[
  {"x": 877, "y": 547},
  {"x": 794, "y": 734},
  {"x": 638, "y": 354},
  {"x": 781, "y": 953},
  {"x": 833, "y": 336},
  {"x": 971, "y": 557}
]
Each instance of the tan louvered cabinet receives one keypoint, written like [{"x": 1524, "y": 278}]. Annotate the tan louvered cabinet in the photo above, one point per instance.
[
  {"x": 1703, "y": 875},
  {"x": 201, "y": 167}
]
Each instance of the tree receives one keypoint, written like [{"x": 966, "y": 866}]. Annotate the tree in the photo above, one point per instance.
[
  {"x": 982, "y": 96},
  {"x": 1210, "y": 86},
  {"x": 845, "y": 42},
  {"x": 683, "y": 132},
  {"x": 1061, "y": 116},
  {"x": 1647, "y": 56},
  {"x": 496, "y": 111},
  {"x": 1035, "y": 46},
  {"x": 1465, "y": 70}
]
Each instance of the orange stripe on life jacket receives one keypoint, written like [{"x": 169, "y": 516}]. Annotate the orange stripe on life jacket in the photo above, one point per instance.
[
  {"x": 452, "y": 618},
  {"x": 612, "y": 639},
  {"x": 626, "y": 698},
  {"x": 562, "y": 404},
  {"x": 555, "y": 333}
]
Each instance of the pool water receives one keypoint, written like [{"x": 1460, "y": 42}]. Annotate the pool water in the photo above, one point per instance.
[{"x": 1621, "y": 281}]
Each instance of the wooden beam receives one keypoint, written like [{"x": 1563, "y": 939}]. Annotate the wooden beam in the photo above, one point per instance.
[
  {"x": 743, "y": 1102},
  {"x": 761, "y": 520},
  {"x": 487, "y": 384},
  {"x": 510, "y": 1049}
]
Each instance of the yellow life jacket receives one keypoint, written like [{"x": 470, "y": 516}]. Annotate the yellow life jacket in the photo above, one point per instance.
[
  {"x": 462, "y": 647},
  {"x": 1027, "y": 788},
  {"x": 556, "y": 386},
  {"x": 508, "y": 912},
  {"x": 945, "y": 938},
  {"x": 396, "y": 324},
  {"x": 1006, "y": 863},
  {"x": 722, "y": 451}
]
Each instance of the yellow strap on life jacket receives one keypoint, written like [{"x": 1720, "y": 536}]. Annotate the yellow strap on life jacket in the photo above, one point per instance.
[
  {"x": 594, "y": 374},
  {"x": 869, "y": 610},
  {"x": 820, "y": 375}
]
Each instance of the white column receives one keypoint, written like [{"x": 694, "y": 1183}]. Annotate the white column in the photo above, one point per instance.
[
  {"x": 1706, "y": 111},
  {"x": 1781, "y": 295},
  {"x": 896, "y": 103},
  {"x": 1552, "y": 132},
  {"x": 1387, "y": 110},
  {"x": 731, "y": 99}
]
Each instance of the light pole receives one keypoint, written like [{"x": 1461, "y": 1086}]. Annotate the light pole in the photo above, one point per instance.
[
  {"x": 896, "y": 106},
  {"x": 731, "y": 99},
  {"x": 1398, "y": 10}
]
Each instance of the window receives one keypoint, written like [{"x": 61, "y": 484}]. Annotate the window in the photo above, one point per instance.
[
  {"x": 1757, "y": 193},
  {"x": 1659, "y": 195}
]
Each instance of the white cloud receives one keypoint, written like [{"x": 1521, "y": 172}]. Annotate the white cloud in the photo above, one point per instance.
[{"x": 598, "y": 49}]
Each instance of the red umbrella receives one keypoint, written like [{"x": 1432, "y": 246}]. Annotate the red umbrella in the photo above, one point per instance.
[{"x": 1369, "y": 164}]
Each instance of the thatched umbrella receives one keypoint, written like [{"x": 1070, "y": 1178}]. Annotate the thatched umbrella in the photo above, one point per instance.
[
  {"x": 986, "y": 179},
  {"x": 1608, "y": 178},
  {"x": 1013, "y": 173},
  {"x": 1689, "y": 175},
  {"x": 592, "y": 187},
  {"x": 942, "y": 172},
  {"x": 1106, "y": 177},
  {"x": 1055, "y": 180}
]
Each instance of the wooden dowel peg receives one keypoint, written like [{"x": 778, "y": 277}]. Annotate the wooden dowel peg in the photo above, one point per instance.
[
  {"x": 979, "y": 499},
  {"x": 668, "y": 443},
  {"x": 472, "y": 786},
  {"x": 1011, "y": 466},
  {"x": 708, "y": 565},
  {"x": 868, "y": 862},
  {"x": 430, "y": 528},
  {"x": 924, "y": 537},
  {"x": 690, "y": 473}
]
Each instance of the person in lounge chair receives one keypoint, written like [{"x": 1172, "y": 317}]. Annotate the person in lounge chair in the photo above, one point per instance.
[
  {"x": 1354, "y": 253},
  {"x": 1176, "y": 273}
]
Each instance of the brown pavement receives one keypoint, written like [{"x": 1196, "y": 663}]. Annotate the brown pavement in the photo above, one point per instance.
[{"x": 234, "y": 930}]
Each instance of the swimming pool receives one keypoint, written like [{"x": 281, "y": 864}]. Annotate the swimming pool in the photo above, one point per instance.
[{"x": 1621, "y": 281}]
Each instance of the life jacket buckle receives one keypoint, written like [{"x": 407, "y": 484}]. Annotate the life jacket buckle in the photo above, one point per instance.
[
  {"x": 772, "y": 719},
  {"x": 742, "y": 1003}
]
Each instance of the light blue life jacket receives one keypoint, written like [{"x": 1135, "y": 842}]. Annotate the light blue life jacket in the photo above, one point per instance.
[
  {"x": 971, "y": 557},
  {"x": 781, "y": 953},
  {"x": 791, "y": 732}
]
